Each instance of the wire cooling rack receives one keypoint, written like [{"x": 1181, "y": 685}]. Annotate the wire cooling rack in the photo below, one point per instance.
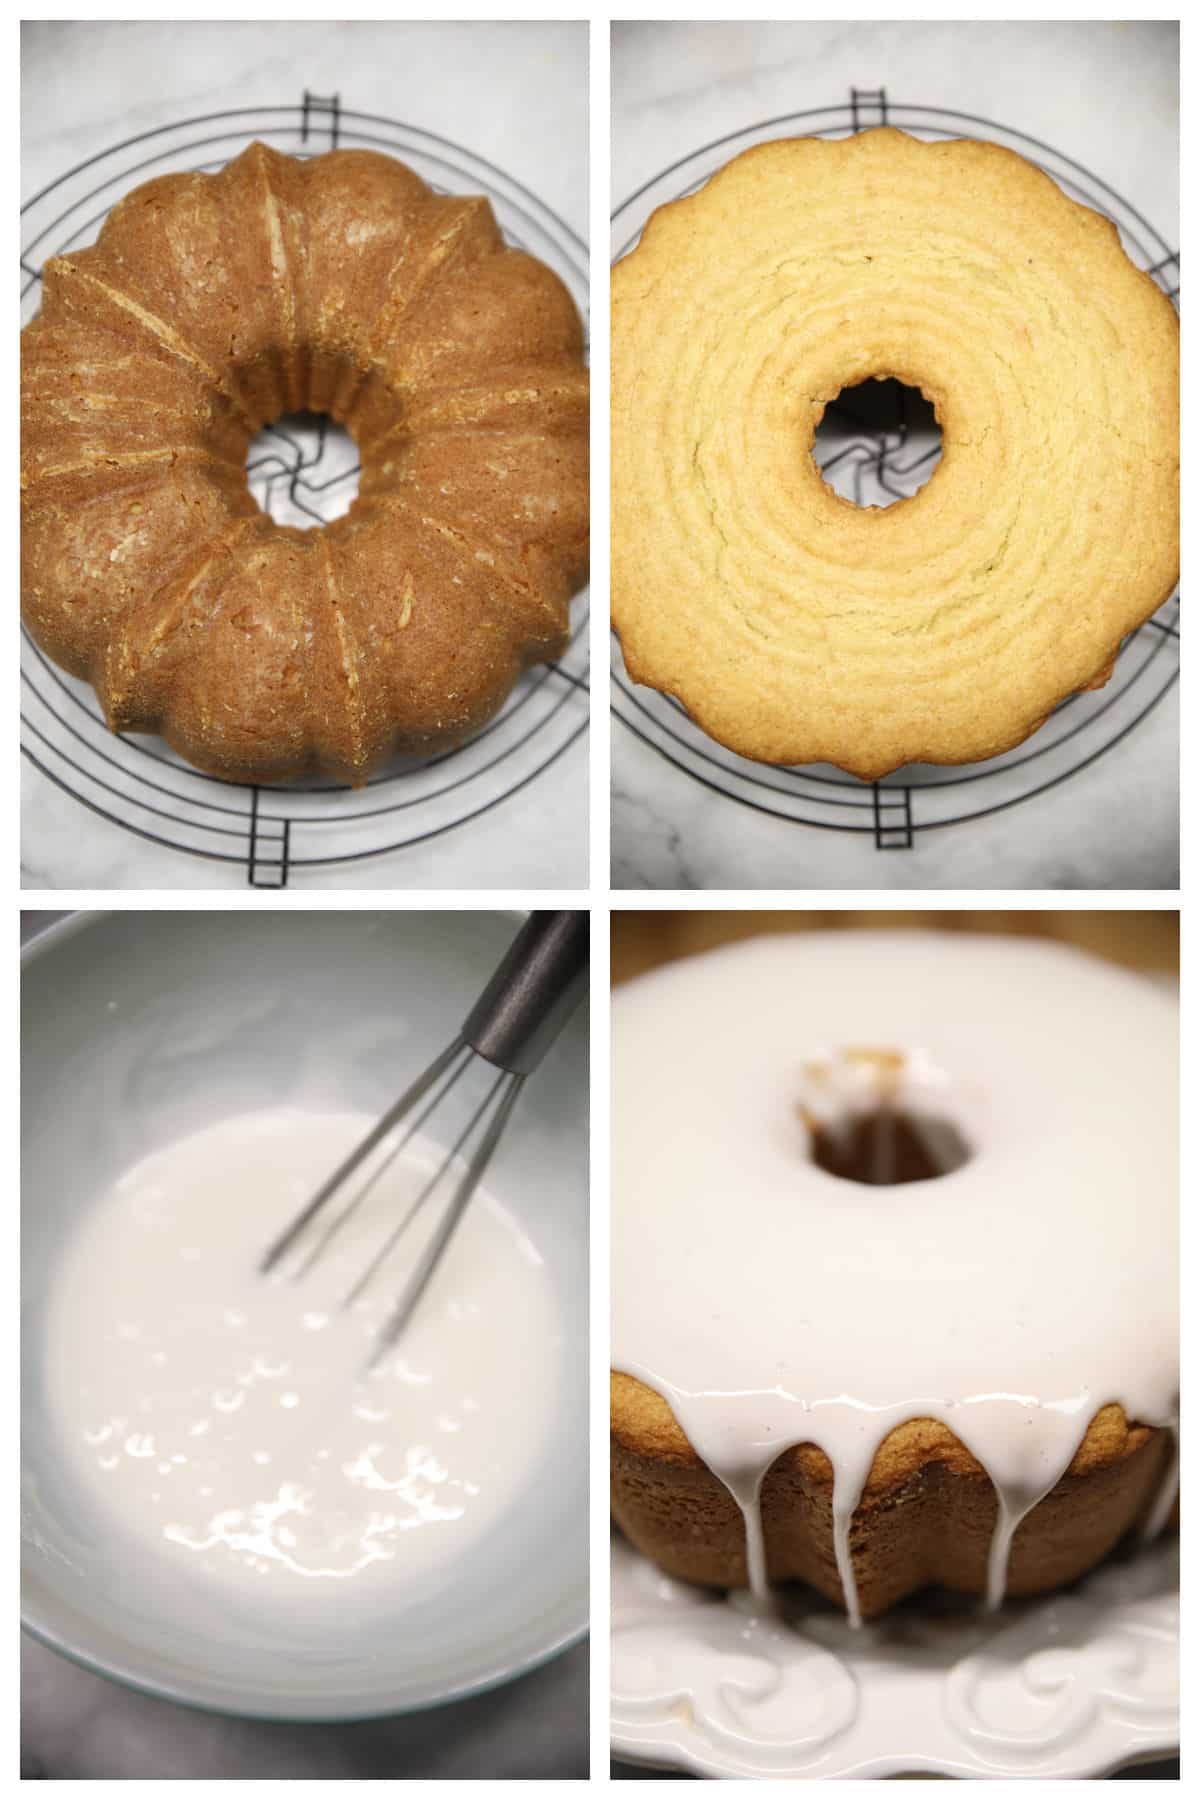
[
  {"x": 303, "y": 471},
  {"x": 879, "y": 458}
]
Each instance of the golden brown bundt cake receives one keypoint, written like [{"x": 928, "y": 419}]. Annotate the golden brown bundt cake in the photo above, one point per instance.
[
  {"x": 213, "y": 304},
  {"x": 926, "y": 1518},
  {"x": 796, "y": 627}
]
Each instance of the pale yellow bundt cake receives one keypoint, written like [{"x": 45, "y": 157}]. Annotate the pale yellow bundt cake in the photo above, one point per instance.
[
  {"x": 796, "y": 627},
  {"x": 213, "y": 304}
]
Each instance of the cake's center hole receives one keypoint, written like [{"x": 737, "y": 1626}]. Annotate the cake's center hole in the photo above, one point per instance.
[
  {"x": 871, "y": 1117},
  {"x": 303, "y": 470},
  {"x": 878, "y": 442},
  {"x": 888, "y": 1147}
]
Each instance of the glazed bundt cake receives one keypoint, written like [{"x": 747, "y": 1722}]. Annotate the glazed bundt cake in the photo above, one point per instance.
[
  {"x": 213, "y": 304},
  {"x": 926, "y": 1516},
  {"x": 797, "y": 627},
  {"x": 870, "y": 1377}
]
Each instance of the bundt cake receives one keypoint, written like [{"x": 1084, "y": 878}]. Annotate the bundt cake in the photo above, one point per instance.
[
  {"x": 213, "y": 304},
  {"x": 872, "y": 1377},
  {"x": 797, "y": 627}
]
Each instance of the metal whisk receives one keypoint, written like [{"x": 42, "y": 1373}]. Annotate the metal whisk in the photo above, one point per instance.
[{"x": 535, "y": 989}]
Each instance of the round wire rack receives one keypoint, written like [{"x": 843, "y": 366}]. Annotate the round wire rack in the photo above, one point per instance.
[
  {"x": 302, "y": 471},
  {"x": 876, "y": 450}
]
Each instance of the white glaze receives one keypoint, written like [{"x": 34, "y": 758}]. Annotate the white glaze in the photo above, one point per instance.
[
  {"x": 223, "y": 1421},
  {"x": 771, "y": 1303}
]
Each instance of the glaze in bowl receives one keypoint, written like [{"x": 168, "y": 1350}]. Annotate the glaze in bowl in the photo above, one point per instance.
[{"x": 138, "y": 1027}]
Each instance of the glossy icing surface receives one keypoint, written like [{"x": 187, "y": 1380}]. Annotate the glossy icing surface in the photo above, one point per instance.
[{"x": 226, "y": 1423}]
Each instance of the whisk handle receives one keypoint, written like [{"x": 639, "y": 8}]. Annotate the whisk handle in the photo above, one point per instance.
[{"x": 533, "y": 993}]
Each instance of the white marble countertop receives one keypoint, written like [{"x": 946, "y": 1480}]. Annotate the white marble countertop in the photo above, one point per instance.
[
  {"x": 1105, "y": 94},
  {"x": 516, "y": 94}
]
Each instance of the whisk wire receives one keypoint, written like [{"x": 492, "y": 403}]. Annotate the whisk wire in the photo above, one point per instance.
[
  {"x": 472, "y": 1175},
  {"x": 397, "y": 1232},
  {"x": 406, "y": 1136},
  {"x": 410, "y": 1098}
]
